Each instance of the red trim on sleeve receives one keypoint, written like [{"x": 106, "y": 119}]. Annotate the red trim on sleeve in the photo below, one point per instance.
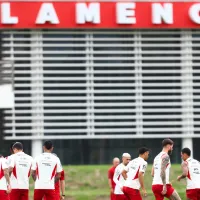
[
  {"x": 137, "y": 174},
  {"x": 62, "y": 178},
  {"x": 54, "y": 172},
  {"x": 29, "y": 173},
  {"x": 37, "y": 171}
]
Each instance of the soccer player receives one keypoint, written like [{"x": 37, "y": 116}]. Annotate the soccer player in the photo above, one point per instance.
[
  {"x": 60, "y": 185},
  {"x": 19, "y": 168},
  {"x": 5, "y": 187},
  {"x": 190, "y": 171},
  {"x": 161, "y": 186},
  {"x": 111, "y": 172},
  {"x": 118, "y": 178},
  {"x": 134, "y": 176},
  {"x": 46, "y": 170}
]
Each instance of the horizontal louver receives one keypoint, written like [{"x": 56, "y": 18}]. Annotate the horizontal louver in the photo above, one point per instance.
[{"x": 103, "y": 83}]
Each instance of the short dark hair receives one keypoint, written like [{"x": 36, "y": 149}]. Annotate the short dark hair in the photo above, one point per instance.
[
  {"x": 186, "y": 151},
  {"x": 48, "y": 144},
  {"x": 165, "y": 142},
  {"x": 18, "y": 146},
  {"x": 143, "y": 150}
]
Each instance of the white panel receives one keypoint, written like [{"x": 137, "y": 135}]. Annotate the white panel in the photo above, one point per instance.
[{"x": 103, "y": 83}]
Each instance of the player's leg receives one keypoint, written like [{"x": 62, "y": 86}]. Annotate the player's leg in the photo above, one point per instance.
[
  {"x": 120, "y": 197},
  {"x": 15, "y": 194},
  {"x": 57, "y": 196},
  {"x": 157, "y": 190},
  {"x": 192, "y": 194},
  {"x": 133, "y": 194},
  {"x": 38, "y": 194},
  {"x": 126, "y": 193},
  {"x": 175, "y": 196},
  {"x": 112, "y": 196},
  {"x": 24, "y": 195},
  {"x": 3, "y": 195},
  {"x": 50, "y": 194},
  {"x": 198, "y": 193}
]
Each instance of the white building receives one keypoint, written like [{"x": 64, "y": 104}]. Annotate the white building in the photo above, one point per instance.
[{"x": 102, "y": 70}]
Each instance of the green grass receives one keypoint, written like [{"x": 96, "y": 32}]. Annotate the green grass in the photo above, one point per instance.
[{"x": 90, "y": 182}]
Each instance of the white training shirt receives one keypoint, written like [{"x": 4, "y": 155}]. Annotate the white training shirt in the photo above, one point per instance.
[
  {"x": 118, "y": 179},
  {"x": 46, "y": 166},
  {"x": 3, "y": 166},
  {"x": 21, "y": 164},
  {"x": 8, "y": 159},
  {"x": 133, "y": 168},
  {"x": 193, "y": 177},
  {"x": 157, "y": 169}
]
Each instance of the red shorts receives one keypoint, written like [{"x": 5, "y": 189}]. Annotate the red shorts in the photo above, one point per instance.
[
  {"x": 112, "y": 196},
  {"x": 19, "y": 194},
  {"x": 40, "y": 193},
  {"x": 3, "y": 195},
  {"x": 120, "y": 197},
  {"x": 57, "y": 197},
  {"x": 157, "y": 190},
  {"x": 193, "y": 194},
  {"x": 132, "y": 194}
]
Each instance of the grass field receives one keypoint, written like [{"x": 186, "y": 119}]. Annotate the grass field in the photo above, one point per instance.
[{"x": 90, "y": 182}]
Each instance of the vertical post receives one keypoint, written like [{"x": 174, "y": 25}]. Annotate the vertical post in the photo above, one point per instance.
[
  {"x": 90, "y": 85},
  {"x": 1, "y": 110},
  {"x": 138, "y": 84},
  {"x": 37, "y": 91},
  {"x": 187, "y": 89},
  {"x": 13, "y": 77}
]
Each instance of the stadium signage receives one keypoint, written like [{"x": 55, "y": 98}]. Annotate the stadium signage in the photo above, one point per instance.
[{"x": 99, "y": 14}]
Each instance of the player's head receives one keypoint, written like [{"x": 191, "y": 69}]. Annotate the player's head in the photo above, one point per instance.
[
  {"x": 168, "y": 145},
  {"x": 126, "y": 157},
  {"x": 11, "y": 147},
  {"x": 144, "y": 152},
  {"x": 17, "y": 147},
  {"x": 185, "y": 153},
  {"x": 48, "y": 146},
  {"x": 116, "y": 162}
]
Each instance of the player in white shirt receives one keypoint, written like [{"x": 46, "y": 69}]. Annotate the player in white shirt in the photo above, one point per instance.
[
  {"x": 20, "y": 169},
  {"x": 190, "y": 171},
  {"x": 5, "y": 187},
  {"x": 161, "y": 186},
  {"x": 46, "y": 170},
  {"x": 119, "y": 179},
  {"x": 134, "y": 176}
]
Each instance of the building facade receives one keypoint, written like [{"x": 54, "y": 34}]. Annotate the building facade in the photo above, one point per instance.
[{"x": 110, "y": 85}]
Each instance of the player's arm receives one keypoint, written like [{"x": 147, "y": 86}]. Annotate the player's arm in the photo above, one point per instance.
[
  {"x": 33, "y": 174},
  {"x": 141, "y": 178},
  {"x": 152, "y": 171},
  {"x": 57, "y": 177},
  {"x": 124, "y": 173},
  {"x": 165, "y": 161},
  {"x": 7, "y": 176},
  {"x": 33, "y": 169},
  {"x": 59, "y": 170},
  {"x": 5, "y": 168},
  {"x": 184, "y": 168},
  {"x": 110, "y": 180},
  {"x": 116, "y": 176},
  {"x": 62, "y": 186}
]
